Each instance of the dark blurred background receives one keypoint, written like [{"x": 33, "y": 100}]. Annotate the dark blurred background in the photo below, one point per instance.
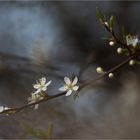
[{"x": 56, "y": 39}]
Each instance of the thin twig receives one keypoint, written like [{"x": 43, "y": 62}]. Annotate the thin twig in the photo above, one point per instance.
[{"x": 115, "y": 38}]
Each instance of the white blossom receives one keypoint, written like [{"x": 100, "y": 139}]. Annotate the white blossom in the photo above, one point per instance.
[
  {"x": 132, "y": 40},
  {"x": 69, "y": 86},
  {"x": 41, "y": 85},
  {"x": 38, "y": 95}
]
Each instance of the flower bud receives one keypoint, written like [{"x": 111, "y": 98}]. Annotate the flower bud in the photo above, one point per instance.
[
  {"x": 106, "y": 23},
  {"x": 100, "y": 70},
  {"x": 111, "y": 43},
  {"x": 132, "y": 62},
  {"x": 119, "y": 50},
  {"x": 111, "y": 75}
]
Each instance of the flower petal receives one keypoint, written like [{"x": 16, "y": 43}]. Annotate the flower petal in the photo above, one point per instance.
[
  {"x": 43, "y": 81},
  {"x": 69, "y": 92},
  {"x": 48, "y": 83},
  {"x": 67, "y": 80},
  {"x": 44, "y": 88},
  {"x": 75, "y": 81},
  {"x": 75, "y": 88},
  {"x": 1, "y": 108},
  {"x": 63, "y": 88},
  {"x": 134, "y": 43},
  {"x": 36, "y": 86},
  {"x": 38, "y": 91}
]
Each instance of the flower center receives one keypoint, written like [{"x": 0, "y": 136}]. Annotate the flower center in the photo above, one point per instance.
[{"x": 69, "y": 87}]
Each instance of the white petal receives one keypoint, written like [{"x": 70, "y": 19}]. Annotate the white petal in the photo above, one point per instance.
[
  {"x": 63, "y": 88},
  {"x": 47, "y": 84},
  {"x": 43, "y": 81},
  {"x": 75, "y": 81},
  {"x": 38, "y": 91},
  {"x": 1, "y": 108},
  {"x": 67, "y": 80},
  {"x": 44, "y": 88},
  {"x": 36, "y": 86},
  {"x": 36, "y": 106},
  {"x": 75, "y": 88},
  {"x": 69, "y": 93},
  {"x": 135, "y": 42}
]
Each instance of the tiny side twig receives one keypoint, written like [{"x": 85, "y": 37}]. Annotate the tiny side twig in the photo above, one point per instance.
[{"x": 116, "y": 39}]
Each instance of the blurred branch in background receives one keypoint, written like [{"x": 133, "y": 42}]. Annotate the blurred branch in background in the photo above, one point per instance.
[{"x": 13, "y": 63}]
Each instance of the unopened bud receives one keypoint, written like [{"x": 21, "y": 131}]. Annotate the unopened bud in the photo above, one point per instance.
[
  {"x": 119, "y": 50},
  {"x": 106, "y": 23},
  {"x": 111, "y": 43},
  {"x": 132, "y": 62},
  {"x": 100, "y": 70},
  {"x": 111, "y": 75}
]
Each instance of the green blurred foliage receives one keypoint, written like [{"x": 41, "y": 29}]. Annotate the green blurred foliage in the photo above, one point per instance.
[{"x": 38, "y": 133}]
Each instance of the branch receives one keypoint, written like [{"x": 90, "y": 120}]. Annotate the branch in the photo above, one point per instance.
[{"x": 82, "y": 85}]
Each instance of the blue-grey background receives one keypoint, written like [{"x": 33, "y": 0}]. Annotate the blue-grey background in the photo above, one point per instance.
[{"x": 54, "y": 39}]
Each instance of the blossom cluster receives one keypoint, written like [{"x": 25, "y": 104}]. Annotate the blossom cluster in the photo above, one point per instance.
[{"x": 41, "y": 86}]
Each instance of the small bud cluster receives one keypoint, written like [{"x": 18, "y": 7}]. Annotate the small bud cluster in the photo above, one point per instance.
[
  {"x": 131, "y": 42},
  {"x": 100, "y": 70}
]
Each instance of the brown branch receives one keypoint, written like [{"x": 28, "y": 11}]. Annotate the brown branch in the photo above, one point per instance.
[
  {"x": 20, "y": 108},
  {"x": 82, "y": 85},
  {"x": 112, "y": 69}
]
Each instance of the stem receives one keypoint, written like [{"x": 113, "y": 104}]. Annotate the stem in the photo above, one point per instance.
[
  {"x": 116, "y": 39},
  {"x": 82, "y": 85}
]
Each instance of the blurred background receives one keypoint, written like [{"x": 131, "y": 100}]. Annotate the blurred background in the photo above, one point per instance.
[{"x": 57, "y": 39}]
